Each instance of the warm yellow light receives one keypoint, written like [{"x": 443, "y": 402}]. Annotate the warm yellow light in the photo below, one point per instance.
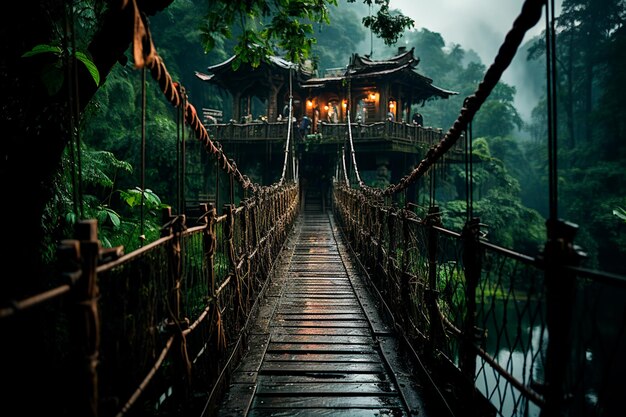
[
  {"x": 392, "y": 105},
  {"x": 326, "y": 107},
  {"x": 309, "y": 103},
  {"x": 344, "y": 104},
  {"x": 372, "y": 96}
]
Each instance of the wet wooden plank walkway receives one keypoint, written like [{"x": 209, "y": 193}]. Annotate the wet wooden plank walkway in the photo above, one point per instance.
[{"x": 319, "y": 346}]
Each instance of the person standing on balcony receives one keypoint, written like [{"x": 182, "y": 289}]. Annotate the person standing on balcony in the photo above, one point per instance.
[
  {"x": 316, "y": 118},
  {"x": 418, "y": 119},
  {"x": 305, "y": 125}
]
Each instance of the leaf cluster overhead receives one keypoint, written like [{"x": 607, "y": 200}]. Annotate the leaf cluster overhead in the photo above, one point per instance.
[{"x": 285, "y": 27}]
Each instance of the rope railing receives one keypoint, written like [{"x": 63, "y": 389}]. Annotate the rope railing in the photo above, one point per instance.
[
  {"x": 289, "y": 133},
  {"x": 165, "y": 319},
  {"x": 145, "y": 55},
  {"x": 353, "y": 154},
  {"x": 476, "y": 309}
]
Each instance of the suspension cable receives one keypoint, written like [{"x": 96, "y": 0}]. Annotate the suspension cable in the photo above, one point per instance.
[
  {"x": 144, "y": 54},
  {"x": 343, "y": 161},
  {"x": 179, "y": 117},
  {"x": 217, "y": 185},
  {"x": 183, "y": 146},
  {"x": 469, "y": 173},
  {"x": 552, "y": 109},
  {"x": 529, "y": 16},
  {"x": 73, "y": 99},
  {"x": 289, "y": 130},
  {"x": 142, "y": 236},
  {"x": 352, "y": 150}
]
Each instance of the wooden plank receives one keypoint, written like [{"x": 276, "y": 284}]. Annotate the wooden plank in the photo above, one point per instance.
[
  {"x": 327, "y": 331},
  {"x": 305, "y": 367},
  {"x": 327, "y": 290},
  {"x": 335, "y": 402},
  {"x": 321, "y": 282},
  {"x": 238, "y": 400},
  {"x": 253, "y": 357},
  {"x": 321, "y": 339},
  {"x": 326, "y": 412},
  {"x": 318, "y": 305},
  {"x": 332, "y": 356},
  {"x": 319, "y": 347},
  {"x": 339, "y": 310},
  {"x": 313, "y": 378},
  {"x": 328, "y": 388},
  {"x": 324, "y": 324},
  {"x": 290, "y": 315},
  {"x": 238, "y": 377},
  {"x": 319, "y": 297}
]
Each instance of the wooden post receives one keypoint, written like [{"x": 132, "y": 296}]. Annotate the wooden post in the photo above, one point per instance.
[
  {"x": 560, "y": 291},
  {"x": 405, "y": 288},
  {"x": 472, "y": 266},
  {"x": 436, "y": 330},
  {"x": 84, "y": 317},
  {"x": 175, "y": 224},
  {"x": 210, "y": 245}
]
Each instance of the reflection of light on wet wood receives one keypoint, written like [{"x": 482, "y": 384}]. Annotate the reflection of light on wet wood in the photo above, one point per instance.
[{"x": 319, "y": 346}]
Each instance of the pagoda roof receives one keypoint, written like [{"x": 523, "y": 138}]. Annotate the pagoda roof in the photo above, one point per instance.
[
  {"x": 401, "y": 67},
  {"x": 363, "y": 64},
  {"x": 223, "y": 72}
]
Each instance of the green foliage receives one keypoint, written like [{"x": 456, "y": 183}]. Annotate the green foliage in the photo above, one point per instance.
[
  {"x": 496, "y": 199},
  {"x": 386, "y": 24},
  {"x": 620, "y": 213},
  {"x": 498, "y": 115},
  {"x": 53, "y": 73},
  {"x": 335, "y": 43},
  {"x": 135, "y": 198},
  {"x": 285, "y": 27},
  {"x": 591, "y": 165}
]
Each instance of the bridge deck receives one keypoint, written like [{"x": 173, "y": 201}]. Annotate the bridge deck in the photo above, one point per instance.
[{"x": 319, "y": 345}]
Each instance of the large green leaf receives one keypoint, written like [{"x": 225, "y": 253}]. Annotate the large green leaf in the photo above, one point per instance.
[
  {"x": 42, "y": 49},
  {"x": 91, "y": 67}
]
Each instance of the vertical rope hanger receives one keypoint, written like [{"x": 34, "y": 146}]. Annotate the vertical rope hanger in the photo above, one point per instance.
[
  {"x": 289, "y": 130},
  {"x": 552, "y": 110},
  {"x": 179, "y": 116},
  {"x": 73, "y": 100},
  {"x": 343, "y": 162},
  {"x": 142, "y": 236},
  {"x": 469, "y": 173},
  {"x": 183, "y": 150},
  {"x": 352, "y": 151},
  {"x": 217, "y": 184}
]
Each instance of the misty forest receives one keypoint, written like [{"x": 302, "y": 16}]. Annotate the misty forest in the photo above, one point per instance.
[
  {"x": 503, "y": 268},
  {"x": 510, "y": 180},
  {"x": 106, "y": 153}
]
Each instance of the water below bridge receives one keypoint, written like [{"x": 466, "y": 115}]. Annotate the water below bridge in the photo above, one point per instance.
[{"x": 320, "y": 345}]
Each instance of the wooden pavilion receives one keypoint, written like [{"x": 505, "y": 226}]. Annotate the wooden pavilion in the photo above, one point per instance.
[{"x": 375, "y": 88}]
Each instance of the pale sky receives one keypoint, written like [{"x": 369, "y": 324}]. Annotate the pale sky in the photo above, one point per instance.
[{"x": 480, "y": 25}]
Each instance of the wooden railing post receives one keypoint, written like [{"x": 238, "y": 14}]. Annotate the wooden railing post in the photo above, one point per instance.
[
  {"x": 405, "y": 288},
  {"x": 472, "y": 266},
  {"x": 380, "y": 254},
  {"x": 84, "y": 317},
  {"x": 209, "y": 242},
  {"x": 559, "y": 251},
  {"x": 432, "y": 293},
  {"x": 229, "y": 234},
  {"x": 175, "y": 224}
]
